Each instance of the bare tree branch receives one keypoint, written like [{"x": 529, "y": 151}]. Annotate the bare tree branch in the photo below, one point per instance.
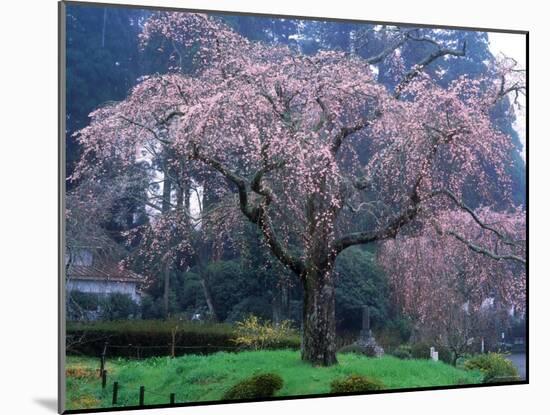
[
  {"x": 485, "y": 251},
  {"x": 474, "y": 216},
  {"x": 419, "y": 67},
  {"x": 257, "y": 215}
]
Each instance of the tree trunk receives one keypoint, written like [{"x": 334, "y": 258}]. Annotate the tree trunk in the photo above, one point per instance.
[
  {"x": 208, "y": 298},
  {"x": 455, "y": 358},
  {"x": 166, "y": 295},
  {"x": 319, "y": 321}
]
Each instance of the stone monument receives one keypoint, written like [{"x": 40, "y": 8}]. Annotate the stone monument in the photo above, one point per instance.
[{"x": 366, "y": 340}]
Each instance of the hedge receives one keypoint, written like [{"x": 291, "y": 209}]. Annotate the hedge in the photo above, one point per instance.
[{"x": 147, "y": 338}]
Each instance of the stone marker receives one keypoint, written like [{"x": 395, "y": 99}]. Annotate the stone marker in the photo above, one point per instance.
[
  {"x": 366, "y": 340},
  {"x": 366, "y": 318}
]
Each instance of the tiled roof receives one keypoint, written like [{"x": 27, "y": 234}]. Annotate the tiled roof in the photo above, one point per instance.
[{"x": 103, "y": 272}]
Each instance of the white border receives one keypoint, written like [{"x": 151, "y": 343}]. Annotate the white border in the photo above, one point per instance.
[{"x": 29, "y": 204}]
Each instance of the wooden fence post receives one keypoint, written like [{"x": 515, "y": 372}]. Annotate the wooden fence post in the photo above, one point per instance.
[
  {"x": 172, "y": 398},
  {"x": 103, "y": 356},
  {"x": 115, "y": 393},
  {"x": 104, "y": 378},
  {"x": 141, "y": 395}
]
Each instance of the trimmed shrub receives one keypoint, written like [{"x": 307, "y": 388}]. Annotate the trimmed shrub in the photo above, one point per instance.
[
  {"x": 355, "y": 383},
  {"x": 402, "y": 352},
  {"x": 259, "y": 386},
  {"x": 494, "y": 367}
]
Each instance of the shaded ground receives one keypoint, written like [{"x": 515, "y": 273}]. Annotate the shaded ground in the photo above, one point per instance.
[{"x": 519, "y": 361}]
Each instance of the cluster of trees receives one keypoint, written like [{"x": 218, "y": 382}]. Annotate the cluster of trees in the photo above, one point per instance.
[
  {"x": 238, "y": 288},
  {"x": 270, "y": 158}
]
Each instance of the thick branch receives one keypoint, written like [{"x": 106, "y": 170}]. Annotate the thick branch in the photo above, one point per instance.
[
  {"x": 474, "y": 216},
  {"x": 138, "y": 124},
  {"x": 481, "y": 250},
  {"x": 345, "y": 132},
  {"x": 418, "y": 68},
  {"x": 516, "y": 87},
  {"x": 257, "y": 215},
  {"x": 233, "y": 177},
  {"x": 291, "y": 261},
  {"x": 256, "y": 184},
  {"x": 387, "y": 51},
  {"x": 389, "y": 231},
  {"x": 393, "y": 227}
]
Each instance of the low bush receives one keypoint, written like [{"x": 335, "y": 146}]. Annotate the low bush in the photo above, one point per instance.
[
  {"x": 494, "y": 367},
  {"x": 420, "y": 350},
  {"x": 255, "y": 333},
  {"x": 115, "y": 306},
  {"x": 79, "y": 372},
  {"x": 397, "y": 331},
  {"x": 256, "y": 387},
  {"x": 86, "y": 402},
  {"x": 445, "y": 354},
  {"x": 402, "y": 352},
  {"x": 355, "y": 383}
]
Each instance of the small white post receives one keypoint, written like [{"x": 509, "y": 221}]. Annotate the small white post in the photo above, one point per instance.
[
  {"x": 482, "y": 345},
  {"x": 435, "y": 356}
]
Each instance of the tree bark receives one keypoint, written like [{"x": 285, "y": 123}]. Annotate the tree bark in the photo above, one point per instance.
[
  {"x": 166, "y": 295},
  {"x": 319, "y": 322},
  {"x": 208, "y": 297}
]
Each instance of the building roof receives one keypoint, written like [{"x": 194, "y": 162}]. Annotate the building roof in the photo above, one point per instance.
[{"x": 103, "y": 272}]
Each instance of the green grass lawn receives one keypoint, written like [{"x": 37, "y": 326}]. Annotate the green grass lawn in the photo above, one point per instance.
[{"x": 205, "y": 378}]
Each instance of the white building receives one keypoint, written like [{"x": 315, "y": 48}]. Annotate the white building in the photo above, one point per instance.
[{"x": 89, "y": 273}]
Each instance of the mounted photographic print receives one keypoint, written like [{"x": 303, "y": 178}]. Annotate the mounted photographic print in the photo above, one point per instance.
[{"x": 259, "y": 207}]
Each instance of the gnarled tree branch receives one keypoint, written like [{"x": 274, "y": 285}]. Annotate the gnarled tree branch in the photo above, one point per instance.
[
  {"x": 484, "y": 251},
  {"x": 419, "y": 67},
  {"x": 474, "y": 216},
  {"x": 257, "y": 215}
]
